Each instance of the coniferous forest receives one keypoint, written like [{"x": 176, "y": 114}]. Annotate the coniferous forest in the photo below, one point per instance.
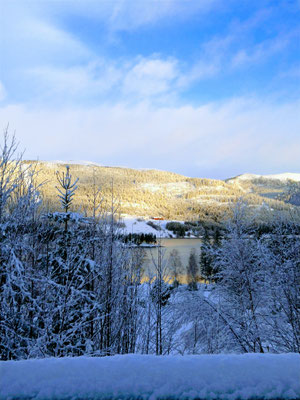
[{"x": 73, "y": 285}]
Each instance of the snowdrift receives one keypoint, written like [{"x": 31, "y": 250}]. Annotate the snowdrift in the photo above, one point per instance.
[{"x": 249, "y": 376}]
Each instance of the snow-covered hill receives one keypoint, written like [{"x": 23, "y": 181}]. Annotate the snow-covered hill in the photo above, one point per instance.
[
  {"x": 281, "y": 177},
  {"x": 149, "y": 193}
]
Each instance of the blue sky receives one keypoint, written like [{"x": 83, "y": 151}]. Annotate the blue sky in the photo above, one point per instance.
[{"x": 205, "y": 88}]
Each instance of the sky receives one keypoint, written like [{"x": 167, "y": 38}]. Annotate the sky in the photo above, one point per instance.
[{"x": 205, "y": 88}]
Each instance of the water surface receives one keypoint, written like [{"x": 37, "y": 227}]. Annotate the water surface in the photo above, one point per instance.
[{"x": 183, "y": 246}]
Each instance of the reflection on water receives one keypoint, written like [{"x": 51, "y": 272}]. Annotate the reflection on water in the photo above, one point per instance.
[{"x": 183, "y": 246}]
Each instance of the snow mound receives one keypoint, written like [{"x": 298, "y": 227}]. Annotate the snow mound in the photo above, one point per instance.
[{"x": 232, "y": 377}]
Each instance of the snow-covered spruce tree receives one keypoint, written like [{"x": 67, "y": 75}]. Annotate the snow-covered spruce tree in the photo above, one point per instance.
[
  {"x": 67, "y": 297},
  {"x": 242, "y": 283},
  {"x": 66, "y": 190},
  {"x": 69, "y": 302}
]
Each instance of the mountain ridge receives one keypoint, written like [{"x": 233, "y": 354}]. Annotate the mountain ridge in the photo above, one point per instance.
[
  {"x": 151, "y": 192},
  {"x": 294, "y": 176},
  {"x": 284, "y": 176}
]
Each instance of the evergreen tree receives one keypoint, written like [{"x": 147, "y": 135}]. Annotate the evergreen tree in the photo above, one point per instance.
[{"x": 66, "y": 191}]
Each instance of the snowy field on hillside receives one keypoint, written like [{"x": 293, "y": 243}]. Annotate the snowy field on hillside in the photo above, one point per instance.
[
  {"x": 281, "y": 177},
  {"x": 247, "y": 376},
  {"x": 135, "y": 224}
]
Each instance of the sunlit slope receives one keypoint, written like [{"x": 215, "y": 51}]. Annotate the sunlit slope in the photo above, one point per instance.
[
  {"x": 150, "y": 192},
  {"x": 284, "y": 187}
]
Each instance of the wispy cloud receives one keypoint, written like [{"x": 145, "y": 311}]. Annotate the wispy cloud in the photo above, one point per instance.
[
  {"x": 120, "y": 15},
  {"x": 95, "y": 78},
  {"x": 239, "y": 47},
  {"x": 28, "y": 39},
  {"x": 259, "y": 53}
]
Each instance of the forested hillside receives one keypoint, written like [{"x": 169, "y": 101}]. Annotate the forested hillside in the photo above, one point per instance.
[{"x": 158, "y": 193}]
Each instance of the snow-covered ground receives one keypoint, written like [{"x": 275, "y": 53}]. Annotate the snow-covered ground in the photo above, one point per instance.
[
  {"x": 248, "y": 376},
  {"x": 135, "y": 224},
  {"x": 171, "y": 187}
]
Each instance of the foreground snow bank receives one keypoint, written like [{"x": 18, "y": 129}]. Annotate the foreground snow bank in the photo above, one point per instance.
[{"x": 250, "y": 376}]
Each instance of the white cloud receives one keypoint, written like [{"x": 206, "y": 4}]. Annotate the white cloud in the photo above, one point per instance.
[
  {"x": 140, "y": 78},
  {"x": 230, "y": 138},
  {"x": 150, "y": 77}
]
